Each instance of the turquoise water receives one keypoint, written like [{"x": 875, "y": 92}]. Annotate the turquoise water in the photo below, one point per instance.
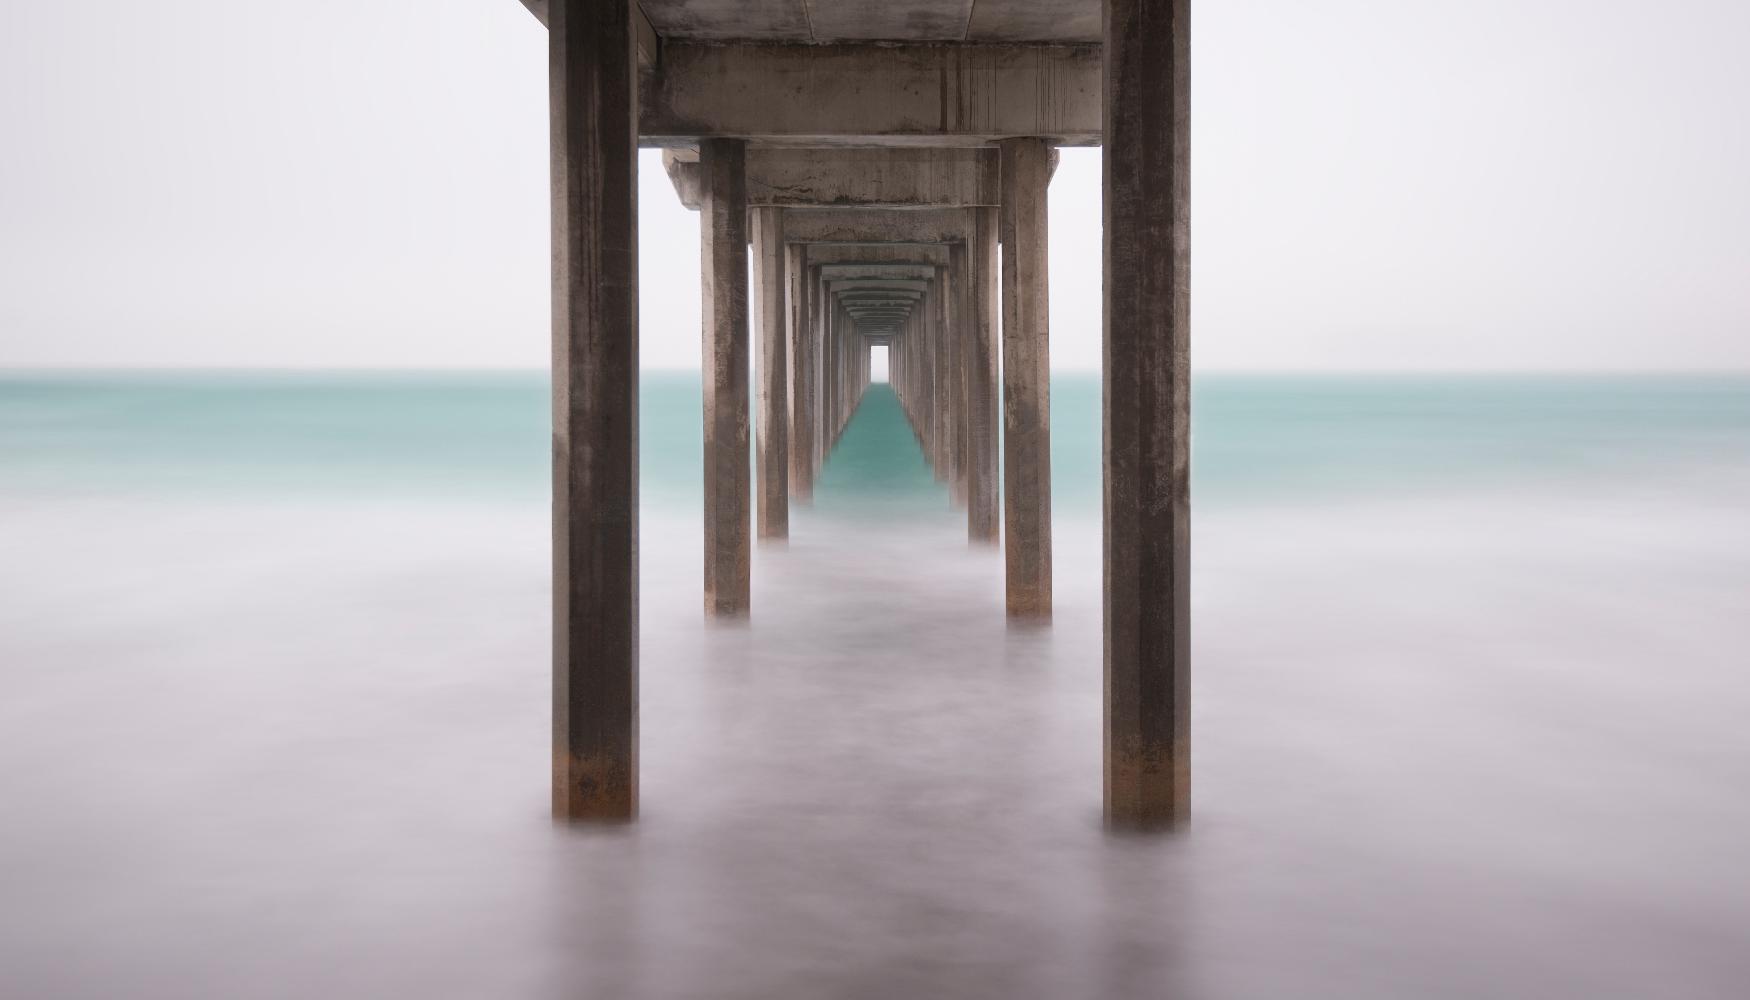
[
  {"x": 1257, "y": 439},
  {"x": 877, "y": 464}
]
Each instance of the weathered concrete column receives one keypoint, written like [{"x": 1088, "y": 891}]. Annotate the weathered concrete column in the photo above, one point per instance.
[
  {"x": 847, "y": 333},
  {"x": 1148, "y": 412},
  {"x": 801, "y": 377},
  {"x": 592, "y": 86},
  {"x": 930, "y": 391},
  {"x": 723, "y": 215},
  {"x": 830, "y": 377},
  {"x": 1026, "y": 169},
  {"x": 977, "y": 303},
  {"x": 941, "y": 392},
  {"x": 960, "y": 356},
  {"x": 914, "y": 380},
  {"x": 822, "y": 305},
  {"x": 772, "y": 376},
  {"x": 847, "y": 362}
]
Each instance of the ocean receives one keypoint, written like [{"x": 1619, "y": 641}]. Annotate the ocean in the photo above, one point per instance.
[{"x": 1470, "y": 679}]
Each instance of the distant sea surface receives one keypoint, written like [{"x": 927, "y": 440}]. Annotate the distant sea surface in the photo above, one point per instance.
[
  {"x": 1258, "y": 439},
  {"x": 1471, "y": 670}
]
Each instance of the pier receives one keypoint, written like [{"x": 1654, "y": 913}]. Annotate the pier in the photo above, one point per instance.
[{"x": 877, "y": 162}]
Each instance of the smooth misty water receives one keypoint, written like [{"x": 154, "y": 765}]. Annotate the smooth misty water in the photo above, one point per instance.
[{"x": 1470, "y": 699}]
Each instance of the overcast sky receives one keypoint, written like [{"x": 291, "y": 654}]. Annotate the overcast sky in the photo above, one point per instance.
[{"x": 1378, "y": 184}]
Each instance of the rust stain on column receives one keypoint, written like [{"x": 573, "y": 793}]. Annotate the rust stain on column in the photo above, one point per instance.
[
  {"x": 723, "y": 219},
  {"x": 1147, "y": 414},
  {"x": 1026, "y": 170},
  {"x": 595, "y": 411}
]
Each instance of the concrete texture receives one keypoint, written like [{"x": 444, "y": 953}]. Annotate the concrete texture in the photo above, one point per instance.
[
  {"x": 644, "y": 36},
  {"x": 853, "y": 178},
  {"x": 872, "y": 178},
  {"x": 1148, "y": 414},
  {"x": 723, "y": 245},
  {"x": 772, "y": 376},
  {"x": 595, "y": 413},
  {"x": 1026, "y": 378},
  {"x": 820, "y": 21},
  {"x": 874, "y": 225},
  {"x": 919, "y": 254},
  {"x": 801, "y": 396},
  {"x": 878, "y": 272},
  {"x": 978, "y": 304},
  {"x": 825, "y": 95}
]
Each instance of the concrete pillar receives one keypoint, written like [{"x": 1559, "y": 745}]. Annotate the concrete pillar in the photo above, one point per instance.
[
  {"x": 1026, "y": 169},
  {"x": 847, "y": 396},
  {"x": 926, "y": 362},
  {"x": 772, "y": 376},
  {"x": 1147, "y": 413},
  {"x": 847, "y": 336},
  {"x": 914, "y": 380},
  {"x": 723, "y": 215},
  {"x": 821, "y": 305},
  {"x": 941, "y": 392},
  {"x": 937, "y": 337},
  {"x": 593, "y": 83},
  {"x": 801, "y": 378},
  {"x": 830, "y": 377},
  {"x": 959, "y": 354},
  {"x": 977, "y": 303}
]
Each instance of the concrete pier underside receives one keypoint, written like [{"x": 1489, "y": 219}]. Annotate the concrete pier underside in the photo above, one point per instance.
[{"x": 881, "y": 157}]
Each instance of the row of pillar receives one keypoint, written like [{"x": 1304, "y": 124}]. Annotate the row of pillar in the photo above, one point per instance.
[
  {"x": 947, "y": 362},
  {"x": 949, "y": 352}
]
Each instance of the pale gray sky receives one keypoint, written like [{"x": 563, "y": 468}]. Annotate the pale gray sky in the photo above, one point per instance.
[{"x": 1378, "y": 184}]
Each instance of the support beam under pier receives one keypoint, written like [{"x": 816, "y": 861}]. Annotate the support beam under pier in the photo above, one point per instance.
[
  {"x": 771, "y": 305},
  {"x": 977, "y": 303},
  {"x": 1026, "y": 167},
  {"x": 1147, "y": 413},
  {"x": 723, "y": 240},
  {"x": 871, "y": 95},
  {"x": 595, "y": 411},
  {"x": 802, "y": 348}
]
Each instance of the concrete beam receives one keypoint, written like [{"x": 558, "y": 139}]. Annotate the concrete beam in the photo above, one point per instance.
[
  {"x": 683, "y": 173},
  {"x": 848, "y": 95},
  {"x": 919, "y": 254},
  {"x": 852, "y": 178},
  {"x": 916, "y": 287},
  {"x": 812, "y": 22},
  {"x": 878, "y": 272},
  {"x": 872, "y": 178},
  {"x": 874, "y": 225}
]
